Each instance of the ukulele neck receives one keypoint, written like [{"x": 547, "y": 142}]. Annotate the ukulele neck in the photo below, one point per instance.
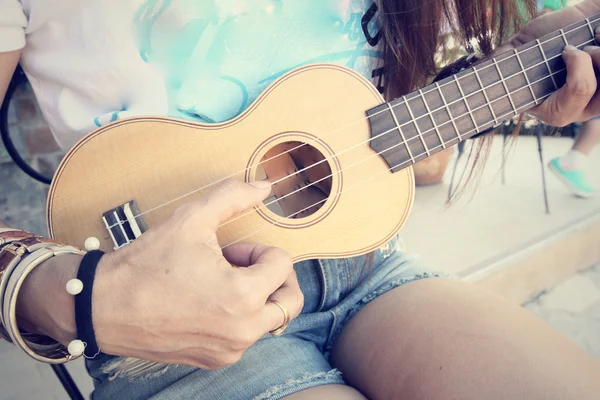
[{"x": 413, "y": 127}]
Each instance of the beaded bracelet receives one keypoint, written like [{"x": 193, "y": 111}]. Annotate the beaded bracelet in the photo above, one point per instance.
[{"x": 82, "y": 288}]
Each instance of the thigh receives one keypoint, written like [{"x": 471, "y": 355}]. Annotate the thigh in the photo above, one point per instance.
[
  {"x": 442, "y": 338},
  {"x": 329, "y": 392}
]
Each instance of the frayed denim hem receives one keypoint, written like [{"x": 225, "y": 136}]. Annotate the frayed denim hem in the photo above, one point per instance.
[
  {"x": 305, "y": 382},
  {"x": 133, "y": 369},
  {"x": 370, "y": 297}
]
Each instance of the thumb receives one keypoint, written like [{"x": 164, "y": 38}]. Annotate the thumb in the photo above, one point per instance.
[{"x": 229, "y": 198}]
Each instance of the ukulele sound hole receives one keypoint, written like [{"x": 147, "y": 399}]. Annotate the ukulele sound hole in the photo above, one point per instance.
[{"x": 301, "y": 178}]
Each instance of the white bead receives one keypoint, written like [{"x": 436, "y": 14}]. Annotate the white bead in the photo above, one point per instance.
[
  {"x": 74, "y": 286},
  {"x": 92, "y": 243},
  {"x": 76, "y": 348}
]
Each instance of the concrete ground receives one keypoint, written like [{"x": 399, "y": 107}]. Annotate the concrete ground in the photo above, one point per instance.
[
  {"x": 573, "y": 308},
  {"x": 492, "y": 220}
]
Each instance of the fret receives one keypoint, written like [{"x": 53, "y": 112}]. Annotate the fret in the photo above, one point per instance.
[
  {"x": 526, "y": 77},
  {"x": 564, "y": 37},
  {"x": 466, "y": 102},
  {"x": 487, "y": 100},
  {"x": 432, "y": 119},
  {"x": 505, "y": 87},
  {"x": 437, "y": 85},
  {"x": 547, "y": 63},
  {"x": 414, "y": 121},
  {"x": 404, "y": 141},
  {"x": 589, "y": 25}
]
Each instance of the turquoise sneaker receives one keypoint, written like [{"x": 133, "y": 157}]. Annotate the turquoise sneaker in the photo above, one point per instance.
[{"x": 574, "y": 180}]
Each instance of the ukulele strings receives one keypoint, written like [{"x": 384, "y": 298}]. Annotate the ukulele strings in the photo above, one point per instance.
[
  {"x": 401, "y": 143},
  {"x": 391, "y": 130}
]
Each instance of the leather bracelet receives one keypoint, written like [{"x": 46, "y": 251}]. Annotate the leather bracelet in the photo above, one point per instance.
[
  {"x": 83, "y": 302},
  {"x": 4, "y": 232},
  {"x": 15, "y": 244}
]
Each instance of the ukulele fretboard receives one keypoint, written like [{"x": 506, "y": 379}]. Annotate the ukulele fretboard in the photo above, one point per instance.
[{"x": 424, "y": 122}]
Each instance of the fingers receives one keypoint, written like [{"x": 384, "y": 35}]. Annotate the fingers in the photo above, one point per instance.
[
  {"x": 290, "y": 297},
  {"x": 269, "y": 269},
  {"x": 244, "y": 254},
  {"x": 229, "y": 198},
  {"x": 569, "y": 102},
  {"x": 593, "y": 108},
  {"x": 271, "y": 275}
]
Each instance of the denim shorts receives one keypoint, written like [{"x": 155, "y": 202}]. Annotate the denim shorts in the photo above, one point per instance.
[{"x": 275, "y": 367}]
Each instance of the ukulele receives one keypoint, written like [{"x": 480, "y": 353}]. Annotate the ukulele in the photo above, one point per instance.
[{"x": 353, "y": 196}]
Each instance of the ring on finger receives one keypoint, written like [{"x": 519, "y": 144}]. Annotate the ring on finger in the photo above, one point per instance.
[{"x": 286, "y": 319}]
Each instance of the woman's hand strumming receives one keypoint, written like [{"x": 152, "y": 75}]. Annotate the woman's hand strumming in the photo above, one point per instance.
[{"x": 173, "y": 296}]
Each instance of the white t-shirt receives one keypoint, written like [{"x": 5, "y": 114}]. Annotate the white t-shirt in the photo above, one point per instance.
[{"x": 91, "y": 62}]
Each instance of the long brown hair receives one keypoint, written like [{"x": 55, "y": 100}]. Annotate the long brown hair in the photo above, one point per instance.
[{"x": 414, "y": 33}]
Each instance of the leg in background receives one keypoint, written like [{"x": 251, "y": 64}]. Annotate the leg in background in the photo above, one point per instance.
[
  {"x": 588, "y": 137},
  {"x": 570, "y": 168},
  {"x": 446, "y": 339}
]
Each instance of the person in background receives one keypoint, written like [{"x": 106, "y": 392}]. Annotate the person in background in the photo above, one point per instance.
[{"x": 570, "y": 167}]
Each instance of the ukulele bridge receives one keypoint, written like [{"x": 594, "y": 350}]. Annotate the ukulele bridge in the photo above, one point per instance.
[{"x": 124, "y": 223}]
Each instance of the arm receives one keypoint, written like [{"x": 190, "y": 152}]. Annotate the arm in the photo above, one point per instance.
[
  {"x": 33, "y": 313},
  {"x": 8, "y": 63}
]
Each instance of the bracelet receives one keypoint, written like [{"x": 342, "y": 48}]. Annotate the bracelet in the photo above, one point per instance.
[
  {"x": 83, "y": 289},
  {"x": 14, "y": 244},
  {"x": 4, "y": 232},
  {"x": 5, "y": 240},
  {"x": 44, "y": 349},
  {"x": 20, "y": 254},
  {"x": 11, "y": 287},
  {"x": 13, "y": 253}
]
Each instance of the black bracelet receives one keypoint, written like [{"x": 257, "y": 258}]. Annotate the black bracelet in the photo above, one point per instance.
[{"x": 83, "y": 302}]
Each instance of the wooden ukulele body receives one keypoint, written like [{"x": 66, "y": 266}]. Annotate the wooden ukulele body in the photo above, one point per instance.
[{"x": 154, "y": 160}]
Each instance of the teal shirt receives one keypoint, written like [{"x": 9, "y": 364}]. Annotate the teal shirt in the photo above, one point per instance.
[{"x": 217, "y": 56}]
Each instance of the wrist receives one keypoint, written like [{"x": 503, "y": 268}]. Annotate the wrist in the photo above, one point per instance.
[
  {"x": 44, "y": 306},
  {"x": 109, "y": 303}
]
